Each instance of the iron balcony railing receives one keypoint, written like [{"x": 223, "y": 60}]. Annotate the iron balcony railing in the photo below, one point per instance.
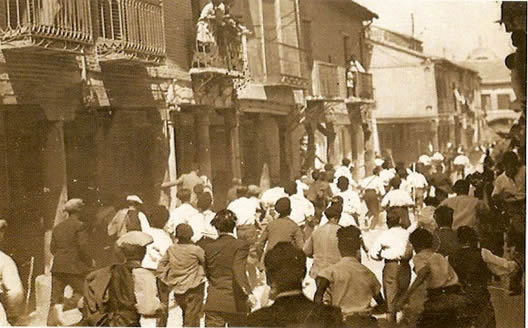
[
  {"x": 64, "y": 24},
  {"x": 131, "y": 29}
]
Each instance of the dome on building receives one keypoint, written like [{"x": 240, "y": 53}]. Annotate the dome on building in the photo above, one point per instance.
[{"x": 481, "y": 53}]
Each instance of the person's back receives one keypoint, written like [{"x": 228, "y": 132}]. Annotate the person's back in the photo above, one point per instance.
[
  {"x": 286, "y": 267},
  {"x": 296, "y": 311},
  {"x": 67, "y": 255},
  {"x": 281, "y": 229}
]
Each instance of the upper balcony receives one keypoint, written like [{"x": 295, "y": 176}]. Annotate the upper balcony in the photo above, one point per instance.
[
  {"x": 286, "y": 65},
  {"x": 332, "y": 82},
  {"x": 54, "y": 26},
  {"x": 129, "y": 32}
]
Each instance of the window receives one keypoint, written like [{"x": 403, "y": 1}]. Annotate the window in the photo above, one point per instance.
[
  {"x": 503, "y": 101},
  {"x": 486, "y": 102}
]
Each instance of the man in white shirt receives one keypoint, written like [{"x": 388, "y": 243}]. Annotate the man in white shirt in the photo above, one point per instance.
[
  {"x": 181, "y": 213},
  {"x": 161, "y": 239},
  {"x": 418, "y": 185},
  {"x": 398, "y": 201},
  {"x": 372, "y": 190},
  {"x": 352, "y": 205},
  {"x": 394, "y": 248},
  {"x": 302, "y": 209},
  {"x": 246, "y": 210}
]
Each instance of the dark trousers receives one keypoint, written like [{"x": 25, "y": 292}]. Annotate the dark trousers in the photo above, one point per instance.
[
  {"x": 249, "y": 233},
  {"x": 220, "y": 319},
  {"x": 60, "y": 280},
  {"x": 191, "y": 304},
  {"x": 396, "y": 280},
  {"x": 359, "y": 321}
]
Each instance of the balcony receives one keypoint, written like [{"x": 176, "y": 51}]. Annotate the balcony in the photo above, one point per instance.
[
  {"x": 329, "y": 82},
  {"x": 53, "y": 26},
  {"x": 226, "y": 54},
  {"x": 286, "y": 65},
  {"x": 129, "y": 32}
]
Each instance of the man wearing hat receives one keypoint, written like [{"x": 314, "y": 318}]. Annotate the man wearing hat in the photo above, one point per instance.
[
  {"x": 123, "y": 294},
  {"x": 322, "y": 244},
  {"x": 70, "y": 259},
  {"x": 129, "y": 219},
  {"x": 281, "y": 229},
  {"x": 229, "y": 292}
]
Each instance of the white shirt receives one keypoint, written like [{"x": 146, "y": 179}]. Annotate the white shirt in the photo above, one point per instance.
[
  {"x": 373, "y": 182},
  {"x": 351, "y": 201},
  {"x": 302, "y": 208},
  {"x": 387, "y": 175},
  {"x": 245, "y": 210},
  {"x": 392, "y": 244},
  {"x": 271, "y": 196},
  {"x": 417, "y": 180},
  {"x": 162, "y": 241},
  {"x": 397, "y": 197},
  {"x": 179, "y": 215},
  {"x": 201, "y": 225},
  {"x": 516, "y": 186},
  {"x": 10, "y": 287}
]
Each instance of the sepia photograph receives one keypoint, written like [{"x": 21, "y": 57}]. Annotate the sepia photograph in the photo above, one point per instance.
[{"x": 263, "y": 163}]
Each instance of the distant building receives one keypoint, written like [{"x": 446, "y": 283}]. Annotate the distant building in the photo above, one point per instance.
[
  {"x": 423, "y": 103},
  {"x": 498, "y": 99}
]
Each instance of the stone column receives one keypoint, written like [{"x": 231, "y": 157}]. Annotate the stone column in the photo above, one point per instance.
[
  {"x": 55, "y": 182},
  {"x": 273, "y": 147},
  {"x": 203, "y": 147},
  {"x": 331, "y": 140},
  {"x": 232, "y": 124},
  {"x": 434, "y": 131}
]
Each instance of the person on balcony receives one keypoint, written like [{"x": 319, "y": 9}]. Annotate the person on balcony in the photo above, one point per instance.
[{"x": 354, "y": 67}]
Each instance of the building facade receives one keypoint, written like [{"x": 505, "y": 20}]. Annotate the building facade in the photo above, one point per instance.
[
  {"x": 338, "y": 121},
  {"x": 498, "y": 100},
  {"x": 423, "y": 103}
]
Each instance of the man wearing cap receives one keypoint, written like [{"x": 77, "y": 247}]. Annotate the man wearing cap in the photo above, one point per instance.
[
  {"x": 348, "y": 284},
  {"x": 322, "y": 244},
  {"x": 70, "y": 259},
  {"x": 461, "y": 163},
  {"x": 229, "y": 292},
  {"x": 438, "y": 162},
  {"x": 182, "y": 270},
  {"x": 281, "y": 229},
  {"x": 129, "y": 219},
  {"x": 372, "y": 189},
  {"x": 123, "y": 294},
  {"x": 11, "y": 290}
]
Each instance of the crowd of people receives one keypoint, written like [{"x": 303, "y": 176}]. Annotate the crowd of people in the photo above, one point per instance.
[{"x": 251, "y": 264}]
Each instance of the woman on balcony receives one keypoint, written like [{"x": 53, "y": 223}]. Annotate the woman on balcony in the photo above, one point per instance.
[{"x": 212, "y": 13}]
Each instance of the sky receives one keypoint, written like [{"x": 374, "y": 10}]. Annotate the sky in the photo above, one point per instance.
[{"x": 450, "y": 28}]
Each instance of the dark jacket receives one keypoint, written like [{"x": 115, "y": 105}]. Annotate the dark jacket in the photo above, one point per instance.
[
  {"x": 296, "y": 311},
  {"x": 225, "y": 268},
  {"x": 69, "y": 251},
  {"x": 473, "y": 273},
  {"x": 448, "y": 242}
]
